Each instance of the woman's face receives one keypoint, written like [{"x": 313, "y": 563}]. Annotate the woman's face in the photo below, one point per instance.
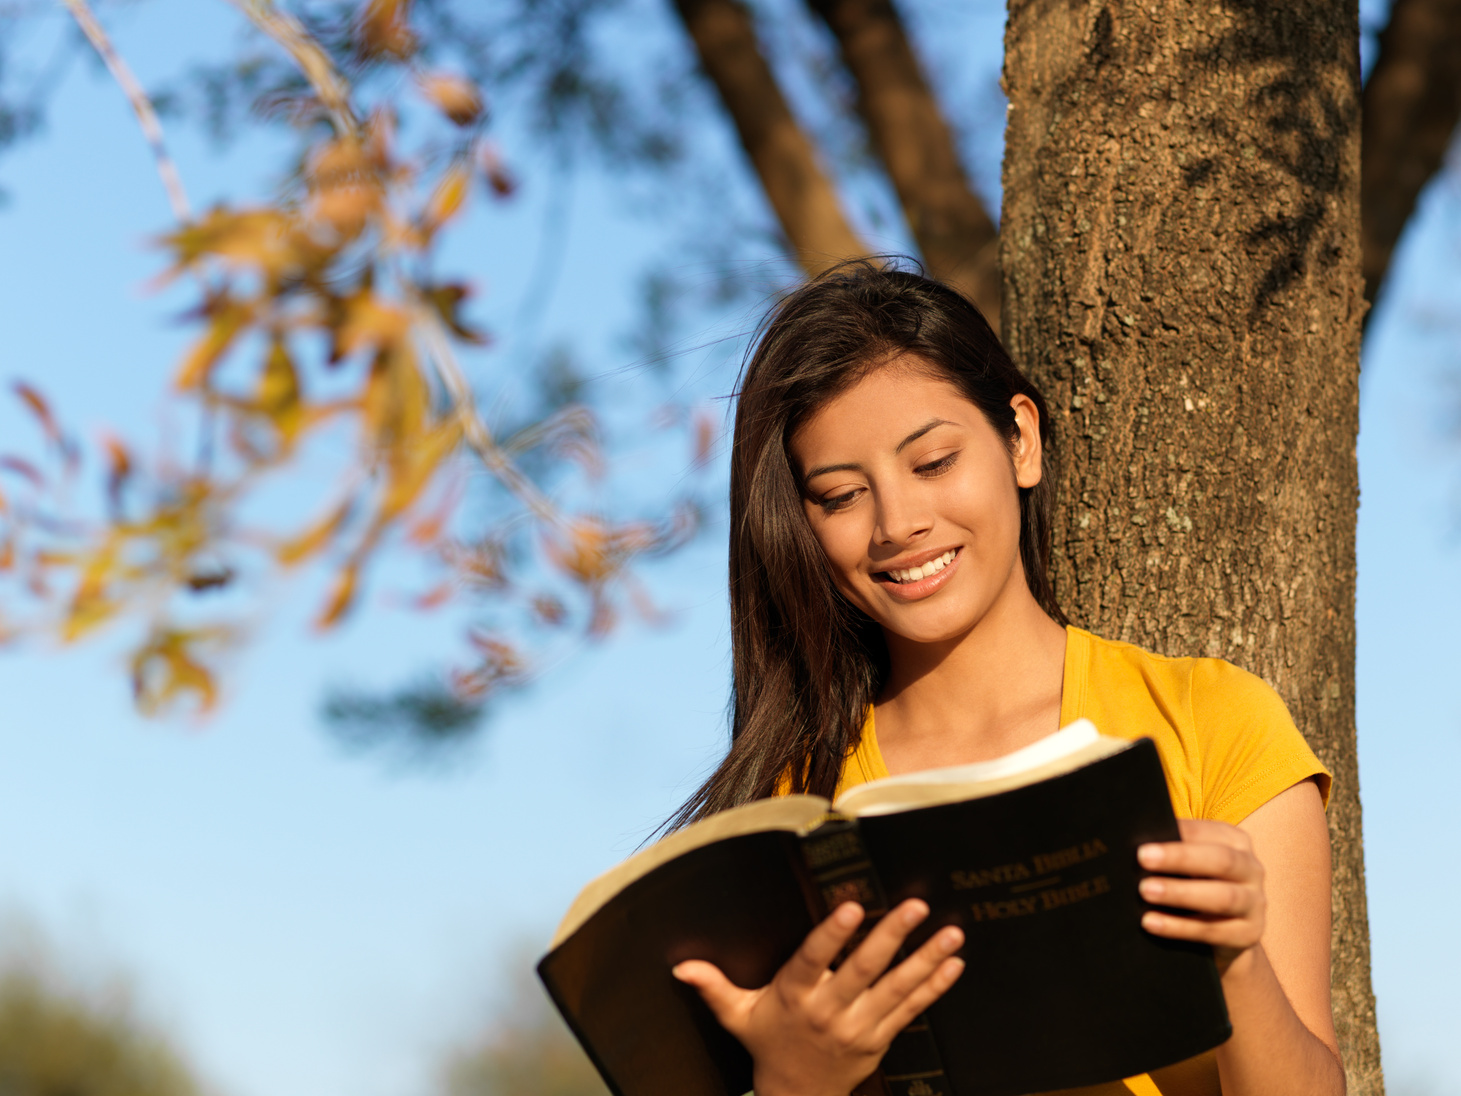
[{"x": 913, "y": 497}]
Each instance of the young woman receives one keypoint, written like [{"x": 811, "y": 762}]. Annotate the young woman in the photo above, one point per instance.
[{"x": 892, "y": 611}]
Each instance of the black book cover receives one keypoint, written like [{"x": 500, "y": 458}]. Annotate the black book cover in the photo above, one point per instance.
[{"x": 1063, "y": 987}]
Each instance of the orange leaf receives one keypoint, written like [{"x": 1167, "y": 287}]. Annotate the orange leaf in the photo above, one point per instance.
[
  {"x": 383, "y": 30},
  {"x": 25, "y": 468},
  {"x": 455, "y": 96},
  {"x": 40, "y": 409},
  {"x": 495, "y": 172},
  {"x": 436, "y": 597}
]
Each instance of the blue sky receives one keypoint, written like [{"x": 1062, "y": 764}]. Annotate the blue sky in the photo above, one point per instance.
[{"x": 315, "y": 924}]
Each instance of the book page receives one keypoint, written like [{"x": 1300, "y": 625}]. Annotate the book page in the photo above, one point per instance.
[
  {"x": 1067, "y": 749},
  {"x": 787, "y": 812}
]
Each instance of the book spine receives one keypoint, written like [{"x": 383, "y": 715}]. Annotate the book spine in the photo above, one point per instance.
[{"x": 841, "y": 871}]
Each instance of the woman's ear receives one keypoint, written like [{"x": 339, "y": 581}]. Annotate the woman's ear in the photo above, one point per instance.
[{"x": 1026, "y": 452}]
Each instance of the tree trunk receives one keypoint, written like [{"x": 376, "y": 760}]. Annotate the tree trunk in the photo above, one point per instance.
[
  {"x": 1412, "y": 105},
  {"x": 800, "y": 193},
  {"x": 1180, "y": 243},
  {"x": 913, "y": 141}
]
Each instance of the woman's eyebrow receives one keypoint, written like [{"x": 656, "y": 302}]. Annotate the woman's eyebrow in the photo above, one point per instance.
[
  {"x": 924, "y": 429},
  {"x": 815, "y": 472},
  {"x": 909, "y": 440}
]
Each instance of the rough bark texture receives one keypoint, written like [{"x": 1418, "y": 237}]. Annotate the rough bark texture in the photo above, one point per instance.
[
  {"x": 908, "y": 132},
  {"x": 800, "y": 193},
  {"x": 1412, "y": 105},
  {"x": 1181, "y": 250}
]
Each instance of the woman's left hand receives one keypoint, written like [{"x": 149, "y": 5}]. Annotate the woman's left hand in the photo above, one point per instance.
[{"x": 1213, "y": 873}]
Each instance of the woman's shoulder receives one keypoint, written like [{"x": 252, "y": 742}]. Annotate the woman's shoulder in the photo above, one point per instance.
[
  {"x": 1223, "y": 731},
  {"x": 1204, "y": 679}
]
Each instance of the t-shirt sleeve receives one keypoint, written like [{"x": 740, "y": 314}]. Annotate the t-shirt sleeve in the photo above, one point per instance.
[{"x": 1251, "y": 750}]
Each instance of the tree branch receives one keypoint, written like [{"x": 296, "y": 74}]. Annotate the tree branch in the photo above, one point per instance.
[
  {"x": 1411, "y": 105},
  {"x": 955, "y": 233},
  {"x": 289, "y": 33},
  {"x": 141, "y": 106},
  {"x": 799, "y": 191}
]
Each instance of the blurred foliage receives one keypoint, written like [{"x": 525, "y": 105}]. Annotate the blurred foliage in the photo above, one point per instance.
[
  {"x": 527, "y": 1051},
  {"x": 324, "y": 335},
  {"x": 58, "y": 1039},
  {"x": 423, "y": 718}
]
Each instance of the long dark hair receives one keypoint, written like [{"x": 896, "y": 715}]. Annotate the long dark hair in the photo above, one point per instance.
[{"x": 807, "y": 663}]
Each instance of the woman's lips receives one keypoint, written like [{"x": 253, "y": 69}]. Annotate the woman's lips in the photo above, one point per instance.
[{"x": 915, "y": 591}]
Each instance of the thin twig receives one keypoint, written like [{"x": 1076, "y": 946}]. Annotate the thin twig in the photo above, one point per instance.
[
  {"x": 438, "y": 347},
  {"x": 141, "y": 106},
  {"x": 312, "y": 60}
]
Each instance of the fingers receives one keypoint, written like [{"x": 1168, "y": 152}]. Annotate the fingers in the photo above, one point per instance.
[
  {"x": 1212, "y": 873},
  {"x": 911, "y": 977},
  {"x": 807, "y": 967},
  {"x": 725, "y": 998},
  {"x": 904, "y": 1012},
  {"x": 1205, "y": 857},
  {"x": 865, "y": 965}
]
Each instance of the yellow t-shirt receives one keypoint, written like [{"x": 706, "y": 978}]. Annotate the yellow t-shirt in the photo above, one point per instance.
[{"x": 1227, "y": 746}]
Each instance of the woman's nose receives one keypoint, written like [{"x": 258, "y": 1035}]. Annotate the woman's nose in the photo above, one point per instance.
[{"x": 901, "y": 517}]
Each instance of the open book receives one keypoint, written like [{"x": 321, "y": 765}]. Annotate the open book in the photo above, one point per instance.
[{"x": 1032, "y": 854}]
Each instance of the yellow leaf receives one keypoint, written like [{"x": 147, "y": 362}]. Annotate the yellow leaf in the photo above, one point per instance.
[
  {"x": 448, "y": 197},
  {"x": 342, "y": 596},
  {"x": 228, "y": 318},
  {"x": 313, "y": 539},
  {"x": 164, "y": 668},
  {"x": 278, "y": 391}
]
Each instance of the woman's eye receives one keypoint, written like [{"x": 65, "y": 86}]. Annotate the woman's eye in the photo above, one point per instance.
[
  {"x": 837, "y": 502},
  {"x": 933, "y": 468}
]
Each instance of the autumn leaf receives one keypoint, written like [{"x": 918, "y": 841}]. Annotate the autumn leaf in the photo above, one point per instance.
[
  {"x": 226, "y": 318},
  {"x": 278, "y": 394},
  {"x": 499, "y": 179},
  {"x": 119, "y": 471},
  {"x": 23, "y": 467},
  {"x": 447, "y": 199},
  {"x": 315, "y": 538},
  {"x": 166, "y": 668},
  {"x": 455, "y": 96},
  {"x": 342, "y": 596},
  {"x": 383, "y": 30}
]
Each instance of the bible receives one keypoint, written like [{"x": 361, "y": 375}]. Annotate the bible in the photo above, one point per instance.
[{"x": 1033, "y": 855}]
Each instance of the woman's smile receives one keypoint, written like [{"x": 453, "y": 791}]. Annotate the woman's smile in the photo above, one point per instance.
[{"x": 921, "y": 576}]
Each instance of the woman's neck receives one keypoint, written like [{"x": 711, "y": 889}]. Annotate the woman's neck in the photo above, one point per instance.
[{"x": 993, "y": 690}]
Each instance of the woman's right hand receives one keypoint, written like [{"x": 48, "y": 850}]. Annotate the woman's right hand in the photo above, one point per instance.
[{"x": 817, "y": 1032}]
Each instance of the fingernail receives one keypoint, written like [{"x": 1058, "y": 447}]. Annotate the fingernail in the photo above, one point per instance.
[
  {"x": 914, "y": 912},
  {"x": 956, "y": 968},
  {"x": 675, "y": 970},
  {"x": 950, "y": 938},
  {"x": 1152, "y": 888},
  {"x": 848, "y": 914},
  {"x": 1150, "y": 856},
  {"x": 1151, "y": 921}
]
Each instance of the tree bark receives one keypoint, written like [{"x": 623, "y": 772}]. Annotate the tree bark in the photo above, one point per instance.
[
  {"x": 1180, "y": 243},
  {"x": 1412, "y": 104},
  {"x": 914, "y": 143},
  {"x": 800, "y": 193}
]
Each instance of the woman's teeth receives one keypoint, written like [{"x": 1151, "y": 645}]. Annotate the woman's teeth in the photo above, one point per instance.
[{"x": 932, "y": 567}]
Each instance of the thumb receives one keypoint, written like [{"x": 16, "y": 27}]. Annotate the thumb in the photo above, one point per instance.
[{"x": 724, "y": 997}]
